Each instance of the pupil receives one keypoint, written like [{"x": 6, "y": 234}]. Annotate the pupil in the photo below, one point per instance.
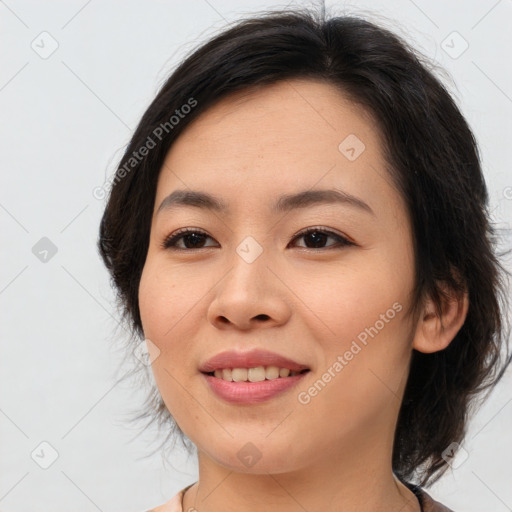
[
  {"x": 194, "y": 237},
  {"x": 314, "y": 235}
]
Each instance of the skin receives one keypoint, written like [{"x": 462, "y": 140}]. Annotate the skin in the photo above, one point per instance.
[{"x": 248, "y": 149}]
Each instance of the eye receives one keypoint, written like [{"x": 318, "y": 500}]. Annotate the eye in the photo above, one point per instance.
[
  {"x": 317, "y": 236},
  {"x": 193, "y": 237}
]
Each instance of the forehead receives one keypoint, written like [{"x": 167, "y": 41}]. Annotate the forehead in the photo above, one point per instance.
[
  {"x": 278, "y": 138},
  {"x": 289, "y": 111}
]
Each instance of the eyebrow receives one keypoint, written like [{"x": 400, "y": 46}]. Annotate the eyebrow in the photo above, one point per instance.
[{"x": 285, "y": 203}]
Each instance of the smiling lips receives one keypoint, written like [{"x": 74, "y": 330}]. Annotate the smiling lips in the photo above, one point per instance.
[{"x": 251, "y": 377}]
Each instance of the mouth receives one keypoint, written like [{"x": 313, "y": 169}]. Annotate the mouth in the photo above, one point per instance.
[
  {"x": 256, "y": 362},
  {"x": 251, "y": 377},
  {"x": 233, "y": 385}
]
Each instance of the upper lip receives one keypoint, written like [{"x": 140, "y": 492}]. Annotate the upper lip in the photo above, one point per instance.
[{"x": 249, "y": 359}]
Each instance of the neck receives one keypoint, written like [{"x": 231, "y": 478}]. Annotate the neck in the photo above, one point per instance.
[{"x": 332, "y": 485}]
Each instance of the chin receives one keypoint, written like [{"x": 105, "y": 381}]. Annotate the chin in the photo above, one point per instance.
[{"x": 253, "y": 457}]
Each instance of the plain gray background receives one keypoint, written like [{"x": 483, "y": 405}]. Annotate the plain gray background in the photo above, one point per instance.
[{"x": 66, "y": 117}]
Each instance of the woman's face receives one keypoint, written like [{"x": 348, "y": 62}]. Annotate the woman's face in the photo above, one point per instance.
[{"x": 251, "y": 279}]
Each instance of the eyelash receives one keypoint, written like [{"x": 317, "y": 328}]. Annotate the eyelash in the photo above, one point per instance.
[{"x": 170, "y": 241}]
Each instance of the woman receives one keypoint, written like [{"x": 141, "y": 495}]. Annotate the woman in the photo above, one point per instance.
[{"x": 298, "y": 231}]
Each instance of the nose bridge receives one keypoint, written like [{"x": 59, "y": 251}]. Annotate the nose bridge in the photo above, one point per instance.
[
  {"x": 249, "y": 290},
  {"x": 249, "y": 265},
  {"x": 251, "y": 232}
]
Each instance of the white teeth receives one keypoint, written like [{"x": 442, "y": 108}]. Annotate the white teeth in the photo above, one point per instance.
[
  {"x": 284, "y": 372},
  {"x": 257, "y": 374},
  {"x": 272, "y": 372},
  {"x": 239, "y": 374}
]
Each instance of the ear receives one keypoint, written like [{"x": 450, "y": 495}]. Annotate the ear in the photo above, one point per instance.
[{"x": 434, "y": 332}]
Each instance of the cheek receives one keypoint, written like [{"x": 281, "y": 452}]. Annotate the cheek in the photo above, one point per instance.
[
  {"x": 359, "y": 314},
  {"x": 171, "y": 303},
  {"x": 162, "y": 306},
  {"x": 343, "y": 302},
  {"x": 153, "y": 297},
  {"x": 165, "y": 298},
  {"x": 365, "y": 362}
]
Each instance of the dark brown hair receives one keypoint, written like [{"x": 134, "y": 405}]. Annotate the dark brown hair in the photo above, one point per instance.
[{"x": 434, "y": 162}]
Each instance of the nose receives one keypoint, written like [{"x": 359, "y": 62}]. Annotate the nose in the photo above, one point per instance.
[{"x": 250, "y": 295}]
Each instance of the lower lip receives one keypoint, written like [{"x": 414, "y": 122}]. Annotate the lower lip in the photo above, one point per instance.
[{"x": 251, "y": 392}]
